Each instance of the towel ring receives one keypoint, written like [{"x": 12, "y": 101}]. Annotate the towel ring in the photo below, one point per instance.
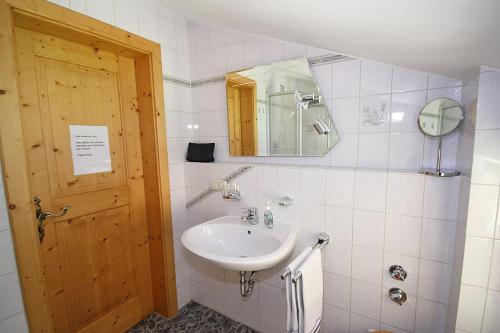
[{"x": 323, "y": 240}]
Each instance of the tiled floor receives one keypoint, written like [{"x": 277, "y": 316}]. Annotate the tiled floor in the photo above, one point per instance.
[{"x": 192, "y": 318}]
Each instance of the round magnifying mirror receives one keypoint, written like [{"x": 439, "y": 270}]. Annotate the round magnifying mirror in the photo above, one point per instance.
[{"x": 438, "y": 119}]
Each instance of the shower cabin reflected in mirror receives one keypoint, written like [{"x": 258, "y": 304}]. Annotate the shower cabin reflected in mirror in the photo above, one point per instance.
[{"x": 278, "y": 110}]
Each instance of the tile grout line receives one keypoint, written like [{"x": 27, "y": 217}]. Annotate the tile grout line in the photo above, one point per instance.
[
  {"x": 389, "y": 119},
  {"x": 384, "y": 235},
  {"x": 352, "y": 239},
  {"x": 10, "y": 316},
  {"x": 491, "y": 259},
  {"x": 420, "y": 256},
  {"x": 10, "y": 273},
  {"x": 386, "y": 196},
  {"x": 359, "y": 114}
]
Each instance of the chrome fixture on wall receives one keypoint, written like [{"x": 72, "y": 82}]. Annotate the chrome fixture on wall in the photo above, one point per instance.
[
  {"x": 398, "y": 272},
  {"x": 208, "y": 192},
  {"x": 247, "y": 282},
  {"x": 323, "y": 240},
  {"x": 320, "y": 124},
  {"x": 231, "y": 192},
  {"x": 397, "y": 295},
  {"x": 250, "y": 216},
  {"x": 284, "y": 201},
  {"x": 437, "y": 120},
  {"x": 247, "y": 279},
  {"x": 304, "y": 100}
]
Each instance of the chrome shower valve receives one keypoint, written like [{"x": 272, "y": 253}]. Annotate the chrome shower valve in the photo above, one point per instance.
[
  {"x": 398, "y": 272},
  {"x": 397, "y": 295}
]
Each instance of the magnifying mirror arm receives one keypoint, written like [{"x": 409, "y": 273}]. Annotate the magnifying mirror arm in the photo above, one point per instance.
[{"x": 438, "y": 163}]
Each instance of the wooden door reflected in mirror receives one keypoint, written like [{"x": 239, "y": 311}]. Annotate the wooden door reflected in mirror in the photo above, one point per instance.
[{"x": 278, "y": 110}]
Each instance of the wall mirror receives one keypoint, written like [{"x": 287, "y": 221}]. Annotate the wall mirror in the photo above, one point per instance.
[
  {"x": 278, "y": 110},
  {"x": 439, "y": 119}
]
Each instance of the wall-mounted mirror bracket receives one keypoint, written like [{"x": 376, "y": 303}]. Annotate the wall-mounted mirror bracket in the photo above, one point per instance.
[{"x": 437, "y": 120}]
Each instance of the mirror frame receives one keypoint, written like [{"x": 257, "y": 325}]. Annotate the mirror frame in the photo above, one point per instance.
[{"x": 462, "y": 117}]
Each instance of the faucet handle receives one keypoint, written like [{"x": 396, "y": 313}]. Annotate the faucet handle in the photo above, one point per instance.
[
  {"x": 397, "y": 295},
  {"x": 398, "y": 273},
  {"x": 251, "y": 211}
]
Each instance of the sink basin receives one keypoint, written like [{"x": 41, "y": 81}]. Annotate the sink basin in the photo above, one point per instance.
[{"x": 238, "y": 246}]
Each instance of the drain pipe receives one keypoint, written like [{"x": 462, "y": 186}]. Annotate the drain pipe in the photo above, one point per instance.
[{"x": 246, "y": 285}]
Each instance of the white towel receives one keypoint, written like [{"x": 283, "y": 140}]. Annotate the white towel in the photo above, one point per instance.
[
  {"x": 292, "y": 324},
  {"x": 310, "y": 292}
]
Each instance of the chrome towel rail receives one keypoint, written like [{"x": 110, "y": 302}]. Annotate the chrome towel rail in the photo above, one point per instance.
[{"x": 323, "y": 240}]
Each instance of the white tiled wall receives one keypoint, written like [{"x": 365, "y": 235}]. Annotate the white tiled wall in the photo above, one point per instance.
[
  {"x": 349, "y": 87},
  {"x": 464, "y": 164},
  {"x": 375, "y": 218},
  {"x": 373, "y": 221},
  {"x": 12, "y": 317},
  {"x": 479, "y": 297}
]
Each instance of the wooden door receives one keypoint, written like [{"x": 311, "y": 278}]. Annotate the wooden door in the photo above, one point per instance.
[
  {"x": 242, "y": 115},
  {"x": 248, "y": 116},
  {"x": 96, "y": 257}
]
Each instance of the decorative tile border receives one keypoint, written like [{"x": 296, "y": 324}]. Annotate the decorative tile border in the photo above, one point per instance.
[
  {"x": 235, "y": 174},
  {"x": 212, "y": 80},
  {"x": 177, "y": 81},
  {"x": 313, "y": 61},
  {"x": 326, "y": 59},
  {"x": 200, "y": 197}
]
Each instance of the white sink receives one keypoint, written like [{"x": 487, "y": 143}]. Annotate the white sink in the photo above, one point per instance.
[{"x": 235, "y": 245}]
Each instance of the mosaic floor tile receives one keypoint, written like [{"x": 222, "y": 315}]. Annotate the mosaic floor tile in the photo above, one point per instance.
[{"x": 192, "y": 318}]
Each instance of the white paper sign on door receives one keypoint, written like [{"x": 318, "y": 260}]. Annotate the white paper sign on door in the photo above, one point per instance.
[{"x": 90, "y": 149}]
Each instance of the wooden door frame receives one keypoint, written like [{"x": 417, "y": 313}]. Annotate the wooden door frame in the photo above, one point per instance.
[{"x": 42, "y": 16}]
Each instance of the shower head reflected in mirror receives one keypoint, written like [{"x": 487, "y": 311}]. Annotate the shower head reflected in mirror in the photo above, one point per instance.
[
  {"x": 304, "y": 100},
  {"x": 321, "y": 125}
]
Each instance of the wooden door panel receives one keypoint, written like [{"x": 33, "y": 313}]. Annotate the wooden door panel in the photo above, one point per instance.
[
  {"x": 117, "y": 320},
  {"x": 76, "y": 95},
  {"x": 88, "y": 203},
  {"x": 248, "y": 114},
  {"x": 242, "y": 115},
  {"x": 96, "y": 257},
  {"x": 97, "y": 263},
  {"x": 59, "y": 49}
]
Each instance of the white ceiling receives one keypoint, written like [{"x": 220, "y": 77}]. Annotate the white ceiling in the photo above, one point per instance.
[{"x": 447, "y": 37}]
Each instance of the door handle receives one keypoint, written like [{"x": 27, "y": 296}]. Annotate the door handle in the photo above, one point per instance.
[{"x": 41, "y": 216}]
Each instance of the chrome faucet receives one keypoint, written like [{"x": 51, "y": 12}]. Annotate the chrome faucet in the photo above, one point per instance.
[{"x": 251, "y": 216}]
